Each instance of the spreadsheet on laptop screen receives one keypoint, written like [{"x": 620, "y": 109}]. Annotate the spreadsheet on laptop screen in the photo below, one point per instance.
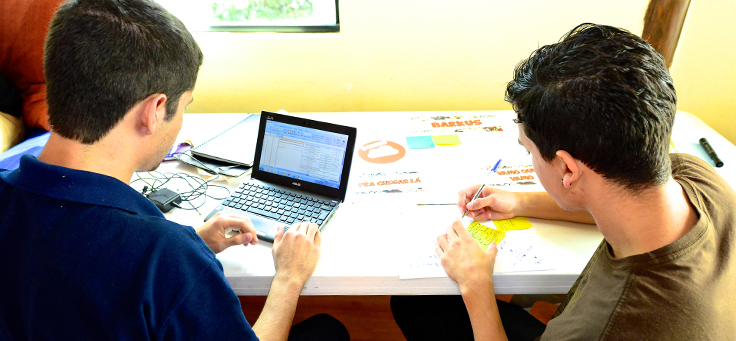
[{"x": 303, "y": 153}]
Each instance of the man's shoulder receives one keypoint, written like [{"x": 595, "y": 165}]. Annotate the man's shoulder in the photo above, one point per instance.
[
  {"x": 158, "y": 231},
  {"x": 3, "y": 174},
  {"x": 686, "y": 164},
  {"x": 690, "y": 165},
  {"x": 692, "y": 172},
  {"x": 707, "y": 191}
]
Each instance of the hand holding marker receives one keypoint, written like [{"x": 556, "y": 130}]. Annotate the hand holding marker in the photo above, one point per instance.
[{"x": 482, "y": 186}]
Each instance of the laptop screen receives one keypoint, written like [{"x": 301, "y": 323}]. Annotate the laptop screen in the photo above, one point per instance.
[{"x": 303, "y": 153}]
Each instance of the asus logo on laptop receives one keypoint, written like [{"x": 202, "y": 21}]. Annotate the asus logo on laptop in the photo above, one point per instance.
[{"x": 296, "y": 184}]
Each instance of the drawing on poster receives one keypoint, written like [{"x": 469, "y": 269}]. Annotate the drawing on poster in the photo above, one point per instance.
[
  {"x": 511, "y": 175},
  {"x": 456, "y": 124}
]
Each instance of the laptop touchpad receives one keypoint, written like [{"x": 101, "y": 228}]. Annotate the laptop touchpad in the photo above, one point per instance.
[{"x": 264, "y": 227}]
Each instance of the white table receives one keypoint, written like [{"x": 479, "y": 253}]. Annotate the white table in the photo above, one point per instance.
[{"x": 365, "y": 243}]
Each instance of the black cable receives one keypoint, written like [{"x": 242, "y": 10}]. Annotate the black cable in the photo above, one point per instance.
[{"x": 199, "y": 187}]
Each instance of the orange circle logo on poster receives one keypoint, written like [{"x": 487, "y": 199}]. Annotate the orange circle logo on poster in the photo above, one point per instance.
[{"x": 381, "y": 151}]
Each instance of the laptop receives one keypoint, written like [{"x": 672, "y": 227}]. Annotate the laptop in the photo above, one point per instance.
[{"x": 300, "y": 173}]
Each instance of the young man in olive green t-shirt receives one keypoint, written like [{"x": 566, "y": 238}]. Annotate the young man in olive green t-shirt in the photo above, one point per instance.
[{"x": 596, "y": 112}]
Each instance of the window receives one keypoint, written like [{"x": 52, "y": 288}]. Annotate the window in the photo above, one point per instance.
[{"x": 256, "y": 15}]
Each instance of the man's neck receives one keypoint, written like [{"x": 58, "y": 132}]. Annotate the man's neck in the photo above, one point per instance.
[
  {"x": 101, "y": 157},
  {"x": 636, "y": 224}
]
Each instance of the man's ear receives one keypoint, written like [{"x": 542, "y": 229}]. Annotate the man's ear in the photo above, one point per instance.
[
  {"x": 153, "y": 112},
  {"x": 571, "y": 170}
]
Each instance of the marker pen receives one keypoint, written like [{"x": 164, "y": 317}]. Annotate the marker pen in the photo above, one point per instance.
[{"x": 711, "y": 152}]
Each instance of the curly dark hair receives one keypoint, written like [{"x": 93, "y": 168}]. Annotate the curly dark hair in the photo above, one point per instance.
[{"x": 605, "y": 96}]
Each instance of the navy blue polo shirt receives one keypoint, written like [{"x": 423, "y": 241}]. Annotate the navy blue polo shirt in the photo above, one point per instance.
[{"x": 83, "y": 256}]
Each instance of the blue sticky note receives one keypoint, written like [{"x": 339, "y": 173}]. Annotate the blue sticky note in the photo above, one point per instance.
[{"x": 419, "y": 142}]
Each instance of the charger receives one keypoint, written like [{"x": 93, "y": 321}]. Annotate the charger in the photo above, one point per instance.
[
  {"x": 194, "y": 187},
  {"x": 165, "y": 199}
]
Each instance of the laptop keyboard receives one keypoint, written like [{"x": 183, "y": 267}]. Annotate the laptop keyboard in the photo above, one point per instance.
[{"x": 278, "y": 204}]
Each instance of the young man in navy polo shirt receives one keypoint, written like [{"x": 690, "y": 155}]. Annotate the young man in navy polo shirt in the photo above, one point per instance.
[{"x": 84, "y": 256}]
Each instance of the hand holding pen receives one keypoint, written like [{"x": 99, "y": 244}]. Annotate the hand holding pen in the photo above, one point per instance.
[
  {"x": 491, "y": 203},
  {"x": 495, "y": 167},
  {"x": 474, "y": 197},
  {"x": 494, "y": 203}
]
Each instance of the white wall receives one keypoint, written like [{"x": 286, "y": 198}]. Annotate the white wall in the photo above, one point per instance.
[{"x": 704, "y": 67}]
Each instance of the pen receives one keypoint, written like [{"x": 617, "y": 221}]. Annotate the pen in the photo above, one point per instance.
[
  {"x": 474, "y": 197},
  {"x": 711, "y": 152},
  {"x": 434, "y": 204}
]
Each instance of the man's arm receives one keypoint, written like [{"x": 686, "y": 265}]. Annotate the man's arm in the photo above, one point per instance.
[
  {"x": 295, "y": 255},
  {"x": 541, "y": 205},
  {"x": 499, "y": 204},
  {"x": 277, "y": 316},
  {"x": 480, "y": 301},
  {"x": 472, "y": 268}
]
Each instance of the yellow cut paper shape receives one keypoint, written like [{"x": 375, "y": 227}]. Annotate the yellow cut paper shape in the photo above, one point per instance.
[
  {"x": 513, "y": 224},
  {"x": 484, "y": 235}
]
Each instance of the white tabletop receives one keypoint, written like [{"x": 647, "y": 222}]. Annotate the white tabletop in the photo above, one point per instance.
[{"x": 367, "y": 242}]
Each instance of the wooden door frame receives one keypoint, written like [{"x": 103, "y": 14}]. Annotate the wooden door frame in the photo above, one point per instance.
[{"x": 663, "y": 24}]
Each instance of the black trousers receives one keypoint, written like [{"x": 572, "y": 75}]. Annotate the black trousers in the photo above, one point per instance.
[
  {"x": 319, "y": 327},
  {"x": 446, "y": 318}
]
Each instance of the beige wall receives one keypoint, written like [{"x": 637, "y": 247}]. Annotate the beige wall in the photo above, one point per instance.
[
  {"x": 394, "y": 55},
  {"x": 446, "y": 55},
  {"x": 704, "y": 66}
]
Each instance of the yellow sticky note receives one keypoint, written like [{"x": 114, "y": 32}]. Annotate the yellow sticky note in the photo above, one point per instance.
[
  {"x": 484, "y": 235},
  {"x": 513, "y": 224},
  {"x": 446, "y": 139}
]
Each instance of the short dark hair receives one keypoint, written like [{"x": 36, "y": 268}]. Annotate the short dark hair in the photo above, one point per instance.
[
  {"x": 605, "y": 96},
  {"x": 102, "y": 57}
]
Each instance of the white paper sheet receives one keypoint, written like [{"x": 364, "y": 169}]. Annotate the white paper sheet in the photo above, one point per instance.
[{"x": 519, "y": 251}]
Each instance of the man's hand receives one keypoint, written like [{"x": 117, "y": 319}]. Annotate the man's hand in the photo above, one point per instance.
[
  {"x": 464, "y": 261},
  {"x": 296, "y": 252},
  {"x": 491, "y": 203},
  {"x": 295, "y": 256},
  {"x": 213, "y": 232}
]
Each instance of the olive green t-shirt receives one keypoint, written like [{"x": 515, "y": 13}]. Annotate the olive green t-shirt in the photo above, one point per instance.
[{"x": 682, "y": 291}]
